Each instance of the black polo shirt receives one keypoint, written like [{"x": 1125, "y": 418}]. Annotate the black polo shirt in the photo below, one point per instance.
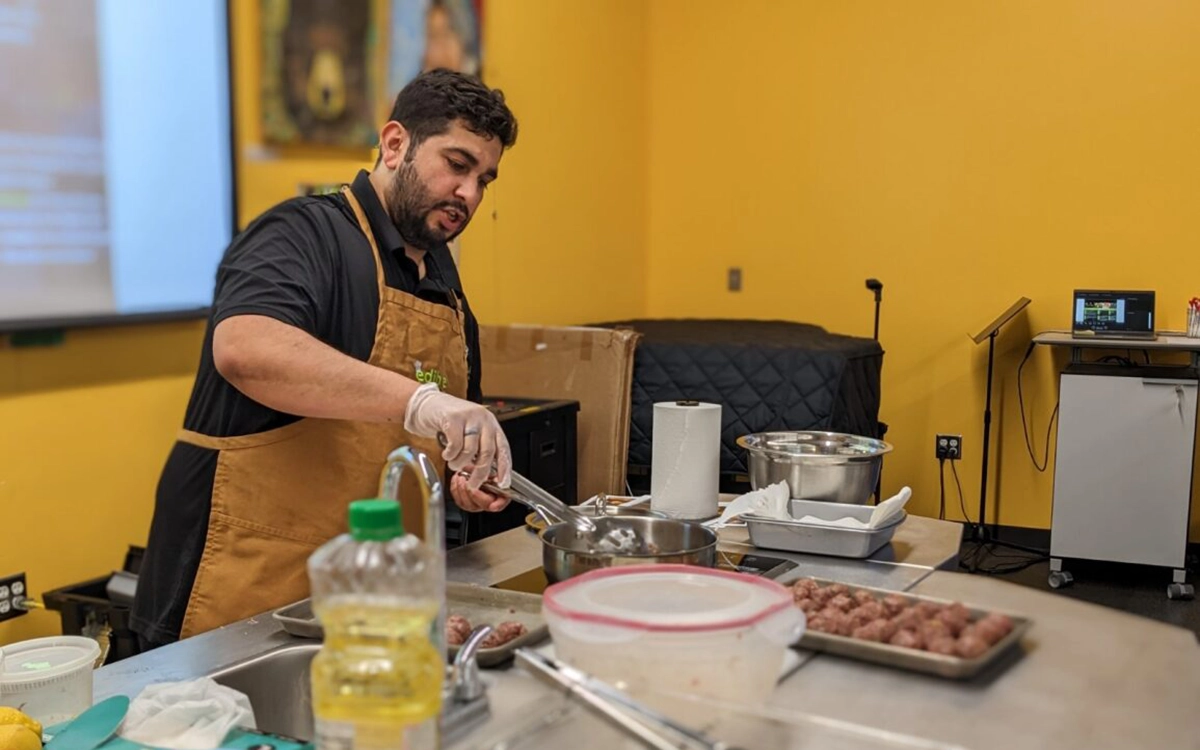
[{"x": 307, "y": 263}]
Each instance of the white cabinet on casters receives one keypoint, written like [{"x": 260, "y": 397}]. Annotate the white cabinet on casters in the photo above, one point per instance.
[{"x": 1123, "y": 471}]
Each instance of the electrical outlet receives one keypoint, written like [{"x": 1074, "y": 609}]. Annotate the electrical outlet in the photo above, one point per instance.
[
  {"x": 735, "y": 279},
  {"x": 12, "y": 590},
  {"x": 948, "y": 447}
]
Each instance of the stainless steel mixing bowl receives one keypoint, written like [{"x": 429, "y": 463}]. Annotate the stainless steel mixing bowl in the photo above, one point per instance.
[{"x": 830, "y": 466}]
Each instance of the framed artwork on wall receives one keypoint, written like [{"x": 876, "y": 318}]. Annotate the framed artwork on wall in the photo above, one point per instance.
[
  {"x": 319, "y": 77},
  {"x": 428, "y": 34}
]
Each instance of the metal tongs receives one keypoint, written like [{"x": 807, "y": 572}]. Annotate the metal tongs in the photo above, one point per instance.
[
  {"x": 547, "y": 506},
  {"x": 652, "y": 728}
]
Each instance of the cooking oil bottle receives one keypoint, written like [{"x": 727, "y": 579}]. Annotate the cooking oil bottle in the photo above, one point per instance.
[{"x": 377, "y": 680}]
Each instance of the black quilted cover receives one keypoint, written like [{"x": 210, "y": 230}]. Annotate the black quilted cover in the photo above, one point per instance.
[{"x": 768, "y": 375}]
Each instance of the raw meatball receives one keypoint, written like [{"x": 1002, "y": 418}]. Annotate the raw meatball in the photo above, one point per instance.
[
  {"x": 944, "y": 645},
  {"x": 907, "y": 639},
  {"x": 503, "y": 633},
  {"x": 909, "y": 619},
  {"x": 858, "y": 617},
  {"x": 988, "y": 630},
  {"x": 872, "y": 608},
  {"x": 932, "y": 630},
  {"x": 799, "y": 595},
  {"x": 1001, "y": 622},
  {"x": 821, "y": 624},
  {"x": 874, "y": 630},
  {"x": 805, "y": 584},
  {"x": 929, "y": 610},
  {"x": 894, "y": 604},
  {"x": 822, "y": 595},
  {"x": 970, "y": 646},
  {"x": 846, "y": 626},
  {"x": 960, "y": 609},
  {"x": 808, "y": 606},
  {"x": 843, "y": 602},
  {"x": 836, "y": 621},
  {"x": 954, "y": 619},
  {"x": 838, "y": 588},
  {"x": 889, "y": 628},
  {"x": 458, "y": 630},
  {"x": 863, "y": 597}
]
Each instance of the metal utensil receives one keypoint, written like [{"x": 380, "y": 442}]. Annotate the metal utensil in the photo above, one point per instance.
[
  {"x": 550, "y": 508},
  {"x": 651, "y": 727}
]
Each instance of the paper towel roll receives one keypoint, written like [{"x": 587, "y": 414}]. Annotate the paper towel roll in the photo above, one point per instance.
[{"x": 685, "y": 467}]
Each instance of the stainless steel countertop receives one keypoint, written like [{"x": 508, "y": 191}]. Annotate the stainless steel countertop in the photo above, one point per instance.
[{"x": 1091, "y": 677}]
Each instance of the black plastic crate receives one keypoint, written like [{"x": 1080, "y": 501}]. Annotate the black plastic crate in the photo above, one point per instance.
[{"x": 86, "y": 606}]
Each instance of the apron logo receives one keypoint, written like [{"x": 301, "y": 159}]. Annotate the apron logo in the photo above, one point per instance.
[{"x": 431, "y": 376}]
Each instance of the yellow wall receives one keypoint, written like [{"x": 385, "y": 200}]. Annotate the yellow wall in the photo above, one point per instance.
[
  {"x": 965, "y": 154},
  {"x": 84, "y": 430},
  {"x": 85, "y": 427}
]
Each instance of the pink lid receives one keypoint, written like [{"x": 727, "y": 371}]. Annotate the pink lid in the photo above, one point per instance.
[{"x": 667, "y": 598}]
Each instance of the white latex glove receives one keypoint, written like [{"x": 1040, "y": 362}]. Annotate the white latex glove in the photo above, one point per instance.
[{"x": 473, "y": 436}]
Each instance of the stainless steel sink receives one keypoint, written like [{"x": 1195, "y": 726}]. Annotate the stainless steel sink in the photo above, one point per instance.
[
  {"x": 279, "y": 688},
  {"x": 277, "y": 684}
]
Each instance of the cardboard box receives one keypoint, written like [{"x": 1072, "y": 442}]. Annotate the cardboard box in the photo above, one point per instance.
[{"x": 593, "y": 366}]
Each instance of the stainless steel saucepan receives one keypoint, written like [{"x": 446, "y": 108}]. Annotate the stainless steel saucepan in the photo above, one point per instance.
[{"x": 567, "y": 553}]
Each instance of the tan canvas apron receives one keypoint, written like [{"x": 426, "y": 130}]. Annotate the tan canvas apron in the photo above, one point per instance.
[{"x": 280, "y": 494}]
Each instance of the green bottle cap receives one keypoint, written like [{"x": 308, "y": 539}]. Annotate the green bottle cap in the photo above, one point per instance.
[{"x": 375, "y": 520}]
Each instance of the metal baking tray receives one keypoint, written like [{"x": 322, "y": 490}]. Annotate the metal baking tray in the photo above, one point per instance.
[
  {"x": 478, "y": 604},
  {"x": 952, "y": 667},
  {"x": 817, "y": 539}
]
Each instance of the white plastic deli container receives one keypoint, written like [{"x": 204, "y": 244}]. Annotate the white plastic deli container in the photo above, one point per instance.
[
  {"x": 675, "y": 628},
  {"x": 50, "y": 679}
]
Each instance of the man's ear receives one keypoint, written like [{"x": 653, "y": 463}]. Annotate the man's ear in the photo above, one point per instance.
[{"x": 393, "y": 144}]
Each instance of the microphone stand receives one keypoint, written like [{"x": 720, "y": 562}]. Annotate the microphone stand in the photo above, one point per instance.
[
  {"x": 979, "y": 531},
  {"x": 876, "y": 286}
]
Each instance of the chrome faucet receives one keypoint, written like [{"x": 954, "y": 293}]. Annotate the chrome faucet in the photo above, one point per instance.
[
  {"x": 465, "y": 704},
  {"x": 434, "y": 503}
]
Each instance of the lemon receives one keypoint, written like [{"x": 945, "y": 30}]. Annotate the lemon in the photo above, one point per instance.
[
  {"x": 13, "y": 716},
  {"x": 19, "y": 737}
]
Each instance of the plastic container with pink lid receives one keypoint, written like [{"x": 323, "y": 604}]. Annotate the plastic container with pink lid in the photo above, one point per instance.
[{"x": 675, "y": 628}]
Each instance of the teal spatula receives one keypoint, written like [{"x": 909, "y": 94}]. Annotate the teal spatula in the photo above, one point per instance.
[{"x": 93, "y": 727}]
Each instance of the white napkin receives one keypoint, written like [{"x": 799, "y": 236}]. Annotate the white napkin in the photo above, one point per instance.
[
  {"x": 774, "y": 502},
  {"x": 771, "y": 502},
  {"x": 882, "y": 515},
  {"x": 191, "y": 715}
]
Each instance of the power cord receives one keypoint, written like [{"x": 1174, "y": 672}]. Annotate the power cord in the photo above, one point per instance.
[
  {"x": 1045, "y": 462},
  {"x": 961, "y": 504},
  {"x": 973, "y": 559},
  {"x": 942, "y": 489}
]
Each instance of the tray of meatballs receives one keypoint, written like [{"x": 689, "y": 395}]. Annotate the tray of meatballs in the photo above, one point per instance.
[
  {"x": 912, "y": 632},
  {"x": 515, "y": 617}
]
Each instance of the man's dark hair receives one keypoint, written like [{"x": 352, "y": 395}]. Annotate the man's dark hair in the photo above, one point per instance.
[{"x": 433, "y": 100}]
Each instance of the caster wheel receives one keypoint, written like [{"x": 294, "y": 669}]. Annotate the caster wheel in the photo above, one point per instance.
[
  {"x": 1183, "y": 591},
  {"x": 1060, "y": 579}
]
